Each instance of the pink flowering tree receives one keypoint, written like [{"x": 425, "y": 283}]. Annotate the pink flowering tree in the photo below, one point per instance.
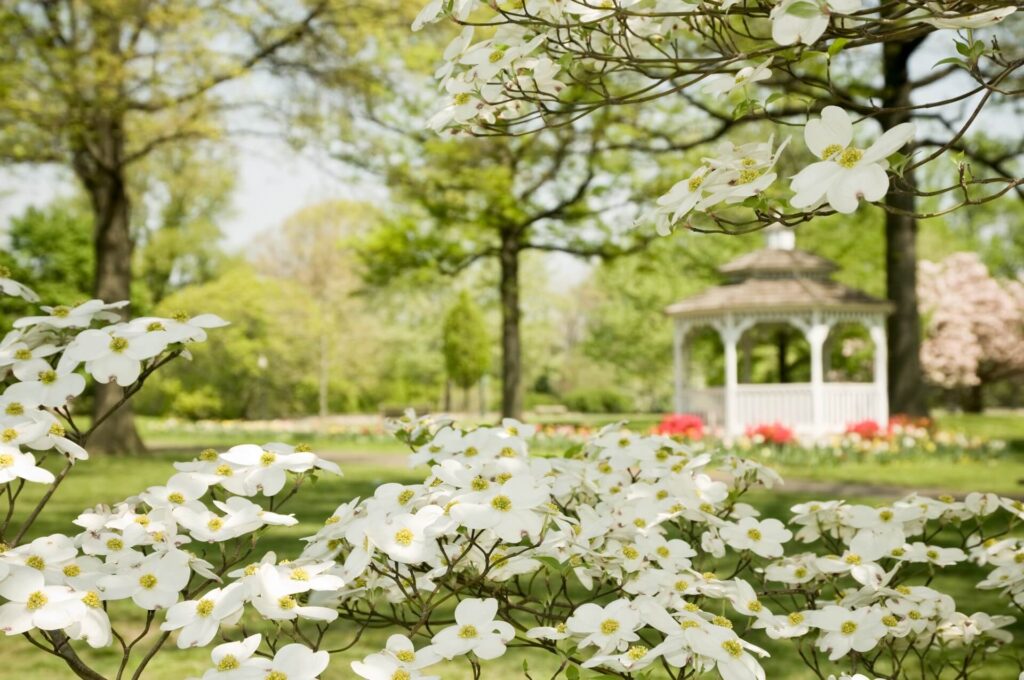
[{"x": 974, "y": 325}]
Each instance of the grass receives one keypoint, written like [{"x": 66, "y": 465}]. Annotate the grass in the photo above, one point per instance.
[{"x": 107, "y": 480}]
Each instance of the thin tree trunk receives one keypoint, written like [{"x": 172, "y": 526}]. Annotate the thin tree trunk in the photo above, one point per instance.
[
  {"x": 104, "y": 181},
  {"x": 511, "y": 365},
  {"x": 973, "y": 399},
  {"x": 324, "y": 376},
  {"x": 782, "y": 344},
  {"x": 906, "y": 380}
]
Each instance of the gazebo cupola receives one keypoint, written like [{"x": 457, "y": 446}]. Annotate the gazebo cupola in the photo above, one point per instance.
[{"x": 781, "y": 285}]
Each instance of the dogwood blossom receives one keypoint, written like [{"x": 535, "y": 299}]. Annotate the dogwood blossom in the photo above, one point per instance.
[{"x": 845, "y": 173}]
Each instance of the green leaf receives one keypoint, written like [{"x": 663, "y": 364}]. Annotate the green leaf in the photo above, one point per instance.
[
  {"x": 837, "y": 46},
  {"x": 572, "y": 673}
]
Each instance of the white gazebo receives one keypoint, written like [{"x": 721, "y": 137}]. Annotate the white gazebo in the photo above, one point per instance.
[{"x": 780, "y": 285}]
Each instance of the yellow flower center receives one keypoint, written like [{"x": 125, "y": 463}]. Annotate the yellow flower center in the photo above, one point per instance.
[
  {"x": 9, "y": 434},
  {"x": 404, "y": 537},
  {"x": 155, "y": 326},
  {"x": 224, "y": 470},
  {"x": 502, "y": 503},
  {"x": 61, "y": 311},
  {"x": 405, "y": 655},
  {"x": 637, "y": 652},
  {"x": 148, "y": 581},
  {"x": 850, "y": 157},
  {"x": 722, "y": 621},
  {"x": 401, "y": 674},
  {"x": 6, "y": 460},
  {"x": 208, "y": 455},
  {"x": 609, "y": 626},
  {"x": 15, "y": 409},
  {"x": 215, "y": 524},
  {"x": 848, "y": 628},
  {"x": 228, "y": 663},
  {"x": 299, "y": 575},
  {"x": 754, "y": 534},
  {"x": 176, "y": 497},
  {"x": 405, "y": 496},
  {"x": 92, "y": 599},
  {"x": 36, "y": 562},
  {"x": 732, "y": 647},
  {"x": 467, "y": 632},
  {"x": 36, "y": 600},
  {"x": 204, "y": 607},
  {"x": 890, "y": 620},
  {"x": 267, "y": 458},
  {"x": 276, "y": 675},
  {"x": 71, "y": 570},
  {"x": 57, "y": 430},
  {"x": 796, "y": 618},
  {"x": 48, "y": 377},
  {"x": 852, "y": 559},
  {"x": 830, "y": 151},
  {"x": 286, "y": 602},
  {"x": 118, "y": 345},
  {"x": 695, "y": 182},
  {"x": 115, "y": 544},
  {"x": 461, "y": 99}
]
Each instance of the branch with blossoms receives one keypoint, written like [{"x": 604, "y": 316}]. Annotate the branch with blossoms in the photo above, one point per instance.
[
  {"x": 519, "y": 67},
  {"x": 629, "y": 556}
]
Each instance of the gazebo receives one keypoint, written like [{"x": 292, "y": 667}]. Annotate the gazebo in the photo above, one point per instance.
[{"x": 780, "y": 285}]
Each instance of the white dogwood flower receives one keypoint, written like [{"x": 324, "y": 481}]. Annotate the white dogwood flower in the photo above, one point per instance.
[
  {"x": 112, "y": 354},
  {"x": 15, "y": 464},
  {"x": 804, "y": 21},
  {"x": 764, "y": 538},
  {"x": 153, "y": 583},
  {"x": 199, "y": 620},
  {"x": 33, "y": 604},
  {"x": 845, "y": 174},
  {"x": 475, "y": 630}
]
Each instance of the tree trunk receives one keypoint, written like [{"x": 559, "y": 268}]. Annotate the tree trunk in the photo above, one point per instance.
[
  {"x": 972, "y": 399},
  {"x": 782, "y": 344},
  {"x": 325, "y": 369},
  {"x": 906, "y": 380},
  {"x": 511, "y": 359},
  {"x": 103, "y": 179}
]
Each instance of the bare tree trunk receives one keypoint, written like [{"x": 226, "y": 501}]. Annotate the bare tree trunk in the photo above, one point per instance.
[
  {"x": 100, "y": 168},
  {"x": 511, "y": 353},
  {"x": 782, "y": 344},
  {"x": 972, "y": 400},
  {"x": 324, "y": 375},
  {"x": 906, "y": 380}
]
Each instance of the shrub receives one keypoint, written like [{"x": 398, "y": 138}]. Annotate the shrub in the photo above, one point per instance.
[{"x": 598, "y": 401}]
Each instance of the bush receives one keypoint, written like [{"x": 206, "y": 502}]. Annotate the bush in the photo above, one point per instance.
[{"x": 598, "y": 401}]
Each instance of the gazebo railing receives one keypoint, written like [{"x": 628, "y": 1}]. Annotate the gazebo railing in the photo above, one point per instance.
[{"x": 791, "y": 404}]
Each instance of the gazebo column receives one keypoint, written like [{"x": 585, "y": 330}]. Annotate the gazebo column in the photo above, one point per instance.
[
  {"x": 816, "y": 334},
  {"x": 681, "y": 329},
  {"x": 881, "y": 368},
  {"x": 730, "y": 331}
]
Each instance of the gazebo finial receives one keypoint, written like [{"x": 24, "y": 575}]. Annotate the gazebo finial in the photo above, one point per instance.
[{"x": 778, "y": 237}]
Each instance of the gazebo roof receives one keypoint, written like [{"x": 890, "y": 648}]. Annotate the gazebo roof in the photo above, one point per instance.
[{"x": 777, "y": 279}]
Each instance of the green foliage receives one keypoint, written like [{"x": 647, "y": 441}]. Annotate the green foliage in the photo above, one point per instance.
[
  {"x": 50, "y": 250},
  {"x": 467, "y": 351},
  {"x": 598, "y": 401},
  {"x": 253, "y": 368}
]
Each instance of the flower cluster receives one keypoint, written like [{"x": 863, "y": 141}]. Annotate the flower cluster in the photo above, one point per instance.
[
  {"x": 527, "y": 65},
  {"x": 684, "y": 425}
]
